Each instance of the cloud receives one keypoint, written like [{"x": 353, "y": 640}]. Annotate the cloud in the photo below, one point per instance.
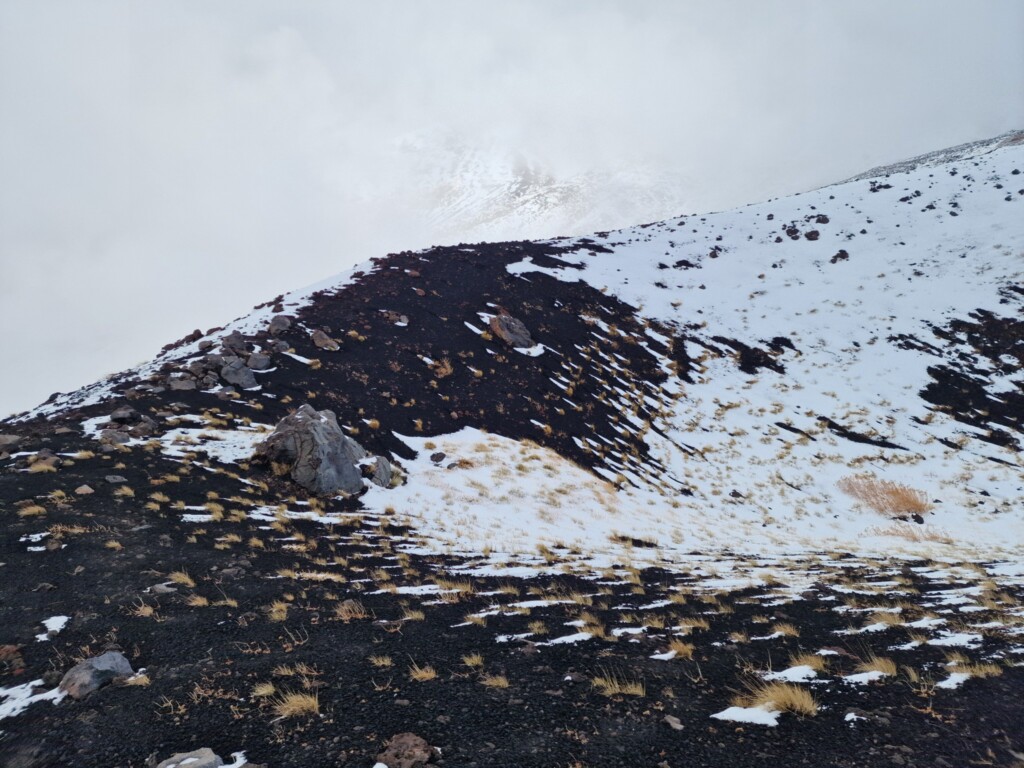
[{"x": 166, "y": 166}]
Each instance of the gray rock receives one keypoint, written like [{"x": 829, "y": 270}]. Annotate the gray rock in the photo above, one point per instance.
[
  {"x": 205, "y": 344},
  {"x": 258, "y": 361},
  {"x": 199, "y": 758},
  {"x": 238, "y": 373},
  {"x": 279, "y": 324},
  {"x": 322, "y": 459},
  {"x": 115, "y": 479},
  {"x": 180, "y": 382},
  {"x": 113, "y": 436},
  {"x": 9, "y": 441},
  {"x": 234, "y": 343},
  {"x": 144, "y": 428},
  {"x": 382, "y": 472},
  {"x": 279, "y": 346},
  {"x": 125, "y": 415},
  {"x": 92, "y": 674},
  {"x": 323, "y": 341},
  {"x": 511, "y": 331}
]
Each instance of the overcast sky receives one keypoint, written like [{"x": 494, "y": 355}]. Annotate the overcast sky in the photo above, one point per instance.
[{"x": 165, "y": 166}]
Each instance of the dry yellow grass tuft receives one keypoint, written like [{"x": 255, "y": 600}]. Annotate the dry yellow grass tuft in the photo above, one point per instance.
[
  {"x": 885, "y": 617},
  {"x": 348, "y": 610},
  {"x": 263, "y": 690},
  {"x": 277, "y": 611},
  {"x": 976, "y": 670},
  {"x": 877, "y": 664},
  {"x": 181, "y": 577},
  {"x": 784, "y": 628},
  {"x": 781, "y": 697},
  {"x": 494, "y": 681},
  {"x": 812, "y": 660},
  {"x": 295, "y": 704},
  {"x": 32, "y": 510},
  {"x": 614, "y": 684},
  {"x": 381, "y": 662},
  {"x": 473, "y": 660},
  {"x": 683, "y": 649},
  {"x": 885, "y": 496},
  {"x": 422, "y": 674}
]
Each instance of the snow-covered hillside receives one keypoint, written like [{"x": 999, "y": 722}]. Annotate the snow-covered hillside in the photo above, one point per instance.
[{"x": 838, "y": 370}]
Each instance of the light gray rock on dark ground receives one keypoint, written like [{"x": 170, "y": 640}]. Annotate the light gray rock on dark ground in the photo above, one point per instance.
[
  {"x": 92, "y": 674},
  {"x": 322, "y": 458}
]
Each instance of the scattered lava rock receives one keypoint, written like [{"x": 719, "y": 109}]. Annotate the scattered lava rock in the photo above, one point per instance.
[{"x": 407, "y": 750}]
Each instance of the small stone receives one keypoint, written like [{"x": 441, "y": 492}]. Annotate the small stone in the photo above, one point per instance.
[
  {"x": 125, "y": 415},
  {"x": 673, "y": 722},
  {"x": 115, "y": 479},
  {"x": 279, "y": 324},
  {"x": 258, "y": 361},
  {"x": 323, "y": 341},
  {"x": 83, "y": 490}
]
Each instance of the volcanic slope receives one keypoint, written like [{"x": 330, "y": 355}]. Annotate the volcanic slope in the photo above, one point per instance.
[{"x": 786, "y": 432}]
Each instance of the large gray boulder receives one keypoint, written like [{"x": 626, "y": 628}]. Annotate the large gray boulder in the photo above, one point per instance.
[
  {"x": 236, "y": 372},
  {"x": 9, "y": 442},
  {"x": 92, "y": 674},
  {"x": 511, "y": 330},
  {"x": 322, "y": 459},
  {"x": 200, "y": 758}
]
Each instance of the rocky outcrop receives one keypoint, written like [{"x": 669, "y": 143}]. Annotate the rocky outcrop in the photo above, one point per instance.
[
  {"x": 317, "y": 454},
  {"x": 92, "y": 674},
  {"x": 511, "y": 331}
]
